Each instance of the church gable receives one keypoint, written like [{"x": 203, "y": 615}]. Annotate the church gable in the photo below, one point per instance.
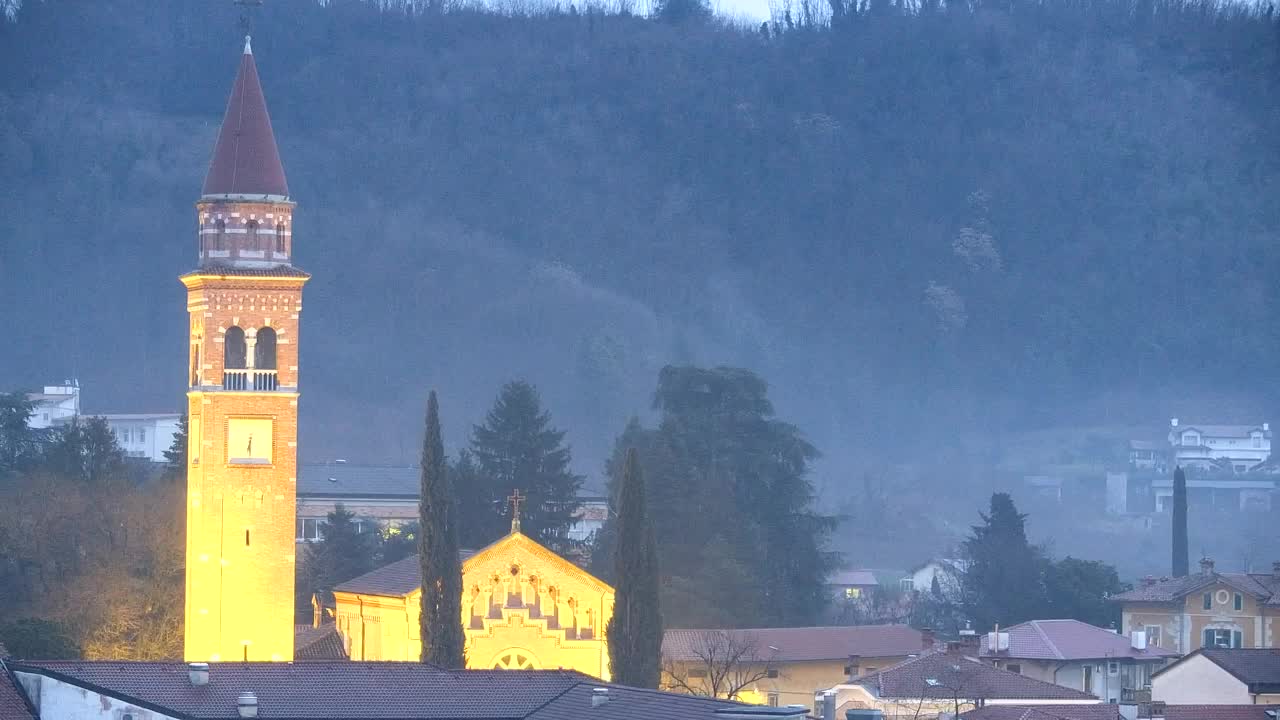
[{"x": 519, "y": 556}]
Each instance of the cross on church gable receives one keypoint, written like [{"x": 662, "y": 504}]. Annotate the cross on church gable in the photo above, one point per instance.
[{"x": 515, "y": 498}]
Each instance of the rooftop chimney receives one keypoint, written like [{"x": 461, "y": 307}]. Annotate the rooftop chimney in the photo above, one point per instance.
[
  {"x": 1275, "y": 569},
  {"x": 247, "y": 705},
  {"x": 927, "y": 638},
  {"x": 1206, "y": 566},
  {"x": 198, "y": 672},
  {"x": 829, "y": 705},
  {"x": 1266, "y": 426},
  {"x": 599, "y": 696}
]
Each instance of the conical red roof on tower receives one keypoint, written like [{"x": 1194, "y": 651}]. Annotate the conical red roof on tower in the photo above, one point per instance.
[{"x": 245, "y": 160}]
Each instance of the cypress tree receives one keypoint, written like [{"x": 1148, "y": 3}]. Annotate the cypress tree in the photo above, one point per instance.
[
  {"x": 440, "y": 621},
  {"x": 634, "y": 632},
  {"x": 1180, "y": 562}
]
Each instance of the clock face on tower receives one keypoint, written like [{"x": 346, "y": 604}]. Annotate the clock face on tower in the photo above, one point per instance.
[{"x": 249, "y": 441}]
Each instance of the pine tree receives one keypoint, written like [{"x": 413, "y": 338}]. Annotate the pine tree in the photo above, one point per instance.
[
  {"x": 517, "y": 448},
  {"x": 634, "y": 632},
  {"x": 1005, "y": 580},
  {"x": 343, "y": 552},
  {"x": 441, "y": 615},
  {"x": 176, "y": 456},
  {"x": 1181, "y": 564}
]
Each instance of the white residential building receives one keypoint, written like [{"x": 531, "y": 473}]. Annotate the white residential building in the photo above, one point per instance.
[
  {"x": 144, "y": 435},
  {"x": 56, "y": 404},
  {"x": 1240, "y": 447}
]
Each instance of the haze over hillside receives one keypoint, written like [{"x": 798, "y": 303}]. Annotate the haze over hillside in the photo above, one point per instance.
[{"x": 929, "y": 231}]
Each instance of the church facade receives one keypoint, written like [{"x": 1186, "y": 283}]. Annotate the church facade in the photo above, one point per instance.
[
  {"x": 243, "y": 300},
  {"x": 523, "y": 608}
]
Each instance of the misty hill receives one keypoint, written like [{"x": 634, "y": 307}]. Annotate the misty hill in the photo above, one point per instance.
[{"x": 922, "y": 228}]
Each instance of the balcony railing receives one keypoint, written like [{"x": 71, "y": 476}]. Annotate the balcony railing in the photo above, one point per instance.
[
  {"x": 250, "y": 379},
  {"x": 1135, "y": 695}
]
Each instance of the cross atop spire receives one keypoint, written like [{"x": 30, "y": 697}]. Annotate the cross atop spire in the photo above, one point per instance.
[{"x": 515, "y": 499}]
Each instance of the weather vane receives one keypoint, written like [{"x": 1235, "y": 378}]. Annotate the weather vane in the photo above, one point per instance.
[{"x": 246, "y": 17}]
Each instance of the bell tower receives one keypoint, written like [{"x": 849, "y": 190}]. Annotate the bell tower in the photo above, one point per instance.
[{"x": 244, "y": 299}]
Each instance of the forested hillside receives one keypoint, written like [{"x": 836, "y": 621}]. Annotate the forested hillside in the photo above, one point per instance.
[{"x": 920, "y": 226}]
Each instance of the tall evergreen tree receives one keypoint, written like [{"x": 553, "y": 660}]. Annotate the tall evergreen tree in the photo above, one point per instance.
[
  {"x": 634, "y": 631},
  {"x": 517, "y": 447},
  {"x": 730, "y": 498},
  {"x": 1181, "y": 563},
  {"x": 17, "y": 442},
  {"x": 1004, "y": 580},
  {"x": 441, "y": 616},
  {"x": 343, "y": 552},
  {"x": 176, "y": 456}
]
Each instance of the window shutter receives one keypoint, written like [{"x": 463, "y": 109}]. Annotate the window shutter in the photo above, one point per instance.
[{"x": 1237, "y": 639}]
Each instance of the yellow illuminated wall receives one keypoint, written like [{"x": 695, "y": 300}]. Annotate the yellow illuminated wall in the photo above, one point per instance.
[
  {"x": 523, "y": 607},
  {"x": 241, "y": 477}
]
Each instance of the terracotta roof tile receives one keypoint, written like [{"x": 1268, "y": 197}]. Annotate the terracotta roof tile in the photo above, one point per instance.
[
  {"x": 13, "y": 703},
  {"x": 234, "y": 271},
  {"x": 1221, "y": 712},
  {"x": 1264, "y": 586},
  {"x": 1259, "y": 668},
  {"x": 627, "y": 703},
  {"x": 1069, "y": 640},
  {"x": 946, "y": 675},
  {"x": 398, "y": 579},
  {"x": 322, "y": 690},
  {"x": 245, "y": 158},
  {"x": 852, "y": 577},
  {"x": 372, "y": 691},
  {"x": 322, "y": 643},
  {"x": 807, "y": 643},
  {"x": 1097, "y": 711}
]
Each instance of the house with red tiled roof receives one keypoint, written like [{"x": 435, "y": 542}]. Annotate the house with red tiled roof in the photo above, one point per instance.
[
  {"x": 112, "y": 690},
  {"x": 779, "y": 666},
  {"x": 950, "y": 682},
  {"x": 1074, "y": 654},
  {"x": 13, "y": 702},
  {"x": 1239, "y": 676},
  {"x": 1205, "y": 609},
  {"x": 1214, "y": 712},
  {"x": 1044, "y": 712}
]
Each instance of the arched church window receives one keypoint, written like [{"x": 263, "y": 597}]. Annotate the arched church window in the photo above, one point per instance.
[
  {"x": 264, "y": 350},
  {"x": 220, "y": 239},
  {"x": 234, "y": 349},
  {"x": 279, "y": 237},
  {"x": 252, "y": 230}
]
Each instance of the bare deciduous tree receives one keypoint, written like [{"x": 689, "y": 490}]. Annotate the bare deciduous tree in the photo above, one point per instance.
[{"x": 725, "y": 663}]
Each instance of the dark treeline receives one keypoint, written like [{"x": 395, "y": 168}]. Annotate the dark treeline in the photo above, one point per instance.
[{"x": 924, "y": 226}]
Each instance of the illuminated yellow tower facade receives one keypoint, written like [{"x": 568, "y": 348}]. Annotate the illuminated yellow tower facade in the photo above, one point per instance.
[{"x": 244, "y": 300}]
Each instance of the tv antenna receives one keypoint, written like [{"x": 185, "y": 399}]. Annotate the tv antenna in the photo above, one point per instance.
[{"x": 246, "y": 14}]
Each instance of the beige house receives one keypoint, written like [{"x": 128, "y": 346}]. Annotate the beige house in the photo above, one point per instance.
[
  {"x": 523, "y": 608},
  {"x": 781, "y": 666},
  {"x": 946, "y": 682},
  {"x": 1220, "y": 677},
  {"x": 1205, "y": 610}
]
